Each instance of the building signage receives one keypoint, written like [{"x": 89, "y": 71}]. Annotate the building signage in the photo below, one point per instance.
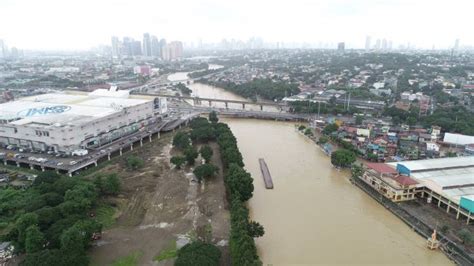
[{"x": 58, "y": 109}]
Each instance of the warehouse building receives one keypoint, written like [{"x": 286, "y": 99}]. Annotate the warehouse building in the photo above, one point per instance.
[
  {"x": 67, "y": 121},
  {"x": 447, "y": 182}
]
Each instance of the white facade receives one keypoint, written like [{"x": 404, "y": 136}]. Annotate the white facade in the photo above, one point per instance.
[{"x": 66, "y": 122}]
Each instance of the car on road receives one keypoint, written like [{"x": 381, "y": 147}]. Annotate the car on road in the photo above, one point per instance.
[{"x": 72, "y": 162}]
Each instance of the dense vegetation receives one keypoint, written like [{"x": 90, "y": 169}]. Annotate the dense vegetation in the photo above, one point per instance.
[
  {"x": 343, "y": 158},
  {"x": 198, "y": 253},
  {"x": 51, "y": 220},
  {"x": 240, "y": 189},
  {"x": 183, "y": 88},
  {"x": 265, "y": 88}
]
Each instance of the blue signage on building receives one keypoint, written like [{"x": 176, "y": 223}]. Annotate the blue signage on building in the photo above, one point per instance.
[{"x": 58, "y": 109}]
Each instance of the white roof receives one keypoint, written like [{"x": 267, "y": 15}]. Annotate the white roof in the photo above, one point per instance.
[
  {"x": 458, "y": 139},
  {"x": 63, "y": 108},
  {"x": 424, "y": 165}
]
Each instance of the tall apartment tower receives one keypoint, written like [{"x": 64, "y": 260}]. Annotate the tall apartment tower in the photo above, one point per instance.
[
  {"x": 115, "y": 47},
  {"x": 146, "y": 45},
  {"x": 341, "y": 47},
  {"x": 155, "y": 47},
  {"x": 368, "y": 39}
]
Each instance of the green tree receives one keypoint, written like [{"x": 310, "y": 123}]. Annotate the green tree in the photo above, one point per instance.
[
  {"x": 206, "y": 153},
  {"x": 301, "y": 127},
  {"x": 356, "y": 171},
  {"x": 330, "y": 128},
  {"x": 181, "y": 141},
  {"x": 111, "y": 185},
  {"x": 24, "y": 221},
  {"x": 178, "y": 161},
  {"x": 34, "y": 239},
  {"x": 134, "y": 162},
  {"x": 198, "y": 253},
  {"x": 190, "y": 154},
  {"x": 343, "y": 158},
  {"x": 323, "y": 140},
  {"x": 308, "y": 132},
  {"x": 239, "y": 182},
  {"x": 255, "y": 229},
  {"x": 213, "y": 117},
  {"x": 205, "y": 171},
  {"x": 359, "y": 119},
  {"x": 48, "y": 177},
  {"x": 72, "y": 247}
]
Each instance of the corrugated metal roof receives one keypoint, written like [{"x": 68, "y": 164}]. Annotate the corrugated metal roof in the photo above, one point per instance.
[{"x": 424, "y": 165}]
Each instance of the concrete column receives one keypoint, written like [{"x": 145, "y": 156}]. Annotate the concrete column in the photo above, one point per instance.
[
  {"x": 457, "y": 215},
  {"x": 5, "y": 162},
  {"x": 210, "y": 103},
  {"x": 439, "y": 203},
  {"x": 226, "y": 105},
  {"x": 108, "y": 156},
  {"x": 158, "y": 134},
  {"x": 468, "y": 217},
  {"x": 261, "y": 107},
  {"x": 449, "y": 205},
  {"x": 120, "y": 151},
  {"x": 243, "y": 106},
  {"x": 141, "y": 142},
  {"x": 149, "y": 137},
  {"x": 42, "y": 168},
  {"x": 131, "y": 147},
  {"x": 69, "y": 173},
  {"x": 95, "y": 162}
]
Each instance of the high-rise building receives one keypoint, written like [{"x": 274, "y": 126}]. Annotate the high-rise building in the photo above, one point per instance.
[
  {"x": 172, "y": 51},
  {"x": 377, "y": 44},
  {"x": 368, "y": 39},
  {"x": 2, "y": 49},
  {"x": 155, "y": 47},
  {"x": 456, "y": 45},
  {"x": 341, "y": 47},
  {"x": 115, "y": 47},
  {"x": 146, "y": 45},
  {"x": 384, "y": 44},
  {"x": 136, "y": 48}
]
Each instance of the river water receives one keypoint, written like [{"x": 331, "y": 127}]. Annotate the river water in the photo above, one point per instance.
[{"x": 314, "y": 215}]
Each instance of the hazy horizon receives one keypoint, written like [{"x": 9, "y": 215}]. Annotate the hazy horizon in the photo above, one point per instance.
[{"x": 81, "y": 25}]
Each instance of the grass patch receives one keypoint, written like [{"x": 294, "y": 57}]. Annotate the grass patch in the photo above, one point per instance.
[
  {"x": 129, "y": 260},
  {"x": 105, "y": 215},
  {"x": 168, "y": 252}
]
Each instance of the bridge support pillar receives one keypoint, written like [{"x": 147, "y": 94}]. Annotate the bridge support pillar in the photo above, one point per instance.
[
  {"x": 5, "y": 162},
  {"x": 42, "y": 168},
  {"x": 69, "y": 173},
  {"x": 95, "y": 162},
  {"x": 131, "y": 147},
  {"x": 18, "y": 165},
  {"x": 210, "y": 103},
  {"x": 108, "y": 156},
  {"x": 243, "y": 106},
  {"x": 141, "y": 142},
  {"x": 149, "y": 137},
  {"x": 226, "y": 105},
  {"x": 120, "y": 151},
  {"x": 195, "y": 102},
  {"x": 158, "y": 134},
  {"x": 261, "y": 107}
]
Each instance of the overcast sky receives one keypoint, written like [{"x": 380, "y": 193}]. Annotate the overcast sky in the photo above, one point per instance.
[{"x": 82, "y": 24}]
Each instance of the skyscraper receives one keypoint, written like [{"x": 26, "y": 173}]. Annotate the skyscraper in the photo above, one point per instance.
[
  {"x": 368, "y": 39},
  {"x": 384, "y": 44},
  {"x": 146, "y": 44},
  {"x": 340, "y": 47},
  {"x": 456, "y": 45},
  {"x": 115, "y": 47},
  {"x": 2, "y": 49},
  {"x": 155, "y": 47}
]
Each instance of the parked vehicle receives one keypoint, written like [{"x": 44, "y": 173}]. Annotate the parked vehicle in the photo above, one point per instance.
[
  {"x": 72, "y": 162},
  {"x": 80, "y": 152}
]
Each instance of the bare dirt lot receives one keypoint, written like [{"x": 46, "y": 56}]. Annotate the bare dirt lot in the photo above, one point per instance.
[{"x": 159, "y": 205}]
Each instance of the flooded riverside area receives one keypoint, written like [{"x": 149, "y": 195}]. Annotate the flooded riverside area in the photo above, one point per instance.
[
  {"x": 161, "y": 208},
  {"x": 314, "y": 215}
]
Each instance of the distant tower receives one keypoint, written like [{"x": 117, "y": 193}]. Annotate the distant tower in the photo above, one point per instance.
[
  {"x": 368, "y": 39},
  {"x": 155, "y": 47},
  {"x": 384, "y": 44},
  {"x": 115, "y": 47},
  {"x": 146, "y": 44},
  {"x": 341, "y": 47},
  {"x": 456, "y": 45},
  {"x": 377, "y": 44}
]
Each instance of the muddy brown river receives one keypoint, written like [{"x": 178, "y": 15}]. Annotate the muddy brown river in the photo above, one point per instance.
[{"x": 314, "y": 215}]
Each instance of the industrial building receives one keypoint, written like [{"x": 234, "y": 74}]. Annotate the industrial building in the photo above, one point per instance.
[
  {"x": 66, "y": 121},
  {"x": 448, "y": 182}
]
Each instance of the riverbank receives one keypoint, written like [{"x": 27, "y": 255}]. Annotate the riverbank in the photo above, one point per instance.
[{"x": 410, "y": 216}]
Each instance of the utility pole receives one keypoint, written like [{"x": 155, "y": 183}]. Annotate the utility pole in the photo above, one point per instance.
[{"x": 349, "y": 101}]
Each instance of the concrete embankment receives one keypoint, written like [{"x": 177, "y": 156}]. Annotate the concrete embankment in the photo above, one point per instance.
[{"x": 451, "y": 249}]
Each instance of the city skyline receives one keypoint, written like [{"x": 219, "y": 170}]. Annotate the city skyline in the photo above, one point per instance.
[{"x": 87, "y": 24}]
